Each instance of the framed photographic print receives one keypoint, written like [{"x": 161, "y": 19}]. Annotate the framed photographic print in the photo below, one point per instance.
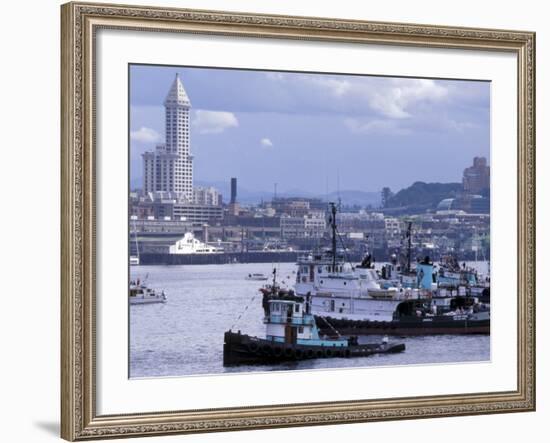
[{"x": 283, "y": 221}]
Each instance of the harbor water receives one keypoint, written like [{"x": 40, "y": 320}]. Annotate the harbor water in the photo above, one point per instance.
[{"x": 185, "y": 335}]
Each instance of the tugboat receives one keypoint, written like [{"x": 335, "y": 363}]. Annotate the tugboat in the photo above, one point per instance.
[
  {"x": 344, "y": 291},
  {"x": 453, "y": 276},
  {"x": 292, "y": 334},
  {"x": 460, "y": 315},
  {"x": 441, "y": 311},
  {"x": 412, "y": 301}
]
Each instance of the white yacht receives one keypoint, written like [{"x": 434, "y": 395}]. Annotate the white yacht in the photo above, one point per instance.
[{"x": 190, "y": 245}]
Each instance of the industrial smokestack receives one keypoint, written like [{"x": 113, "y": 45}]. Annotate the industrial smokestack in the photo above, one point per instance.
[
  {"x": 233, "y": 190},
  {"x": 205, "y": 233}
]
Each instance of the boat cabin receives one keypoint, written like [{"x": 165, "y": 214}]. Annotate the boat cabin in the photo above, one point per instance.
[
  {"x": 190, "y": 245},
  {"x": 135, "y": 291},
  {"x": 436, "y": 306},
  {"x": 425, "y": 277},
  {"x": 317, "y": 274},
  {"x": 289, "y": 320}
]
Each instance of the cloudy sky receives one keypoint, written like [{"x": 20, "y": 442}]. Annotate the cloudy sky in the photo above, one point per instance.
[{"x": 303, "y": 131}]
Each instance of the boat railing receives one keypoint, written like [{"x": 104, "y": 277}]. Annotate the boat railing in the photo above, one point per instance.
[{"x": 281, "y": 320}]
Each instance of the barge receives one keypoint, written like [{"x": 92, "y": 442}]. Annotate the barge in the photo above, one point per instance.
[{"x": 436, "y": 316}]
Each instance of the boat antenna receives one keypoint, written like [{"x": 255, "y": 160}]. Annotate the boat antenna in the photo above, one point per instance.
[
  {"x": 408, "y": 235},
  {"x": 336, "y": 235},
  {"x": 136, "y": 239},
  {"x": 332, "y": 220},
  {"x": 475, "y": 242},
  {"x": 274, "y": 278},
  {"x": 344, "y": 248},
  {"x": 338, "y": 189}
]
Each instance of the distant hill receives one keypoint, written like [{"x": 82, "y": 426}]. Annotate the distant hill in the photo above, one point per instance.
[
  {"x": 247, "y": 196},
  {"x": 419, "y": 196},
  {"x": 355, "y": 198},
  {"x": 426, "y": 195}
]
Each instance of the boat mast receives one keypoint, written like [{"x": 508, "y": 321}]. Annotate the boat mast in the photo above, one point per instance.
[
  {"x": 333, "y": 227},
  {"x": 274, "y": 280},
  {"x": 409, "y": 228},
  {"x": 136, "y": 240},
  {"x": 475, "y": 243}
]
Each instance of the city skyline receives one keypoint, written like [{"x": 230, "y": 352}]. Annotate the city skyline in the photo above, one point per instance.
[
  {"x": 255, "y": 124},
  {"x": 369, "y": 264}
]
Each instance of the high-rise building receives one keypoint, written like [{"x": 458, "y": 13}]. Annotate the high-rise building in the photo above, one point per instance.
[
  {"x": 207, "y": 196},
  {"x": 233, "y": 207},
  {"x": 169, "y": 167},
  {"x": 302, "y": 227},
  {"x": 476, "y": 178}
]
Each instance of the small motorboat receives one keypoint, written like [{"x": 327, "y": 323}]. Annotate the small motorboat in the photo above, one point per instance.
[
  {"x": 256, "y": 277},
  {"x": 141, "y": 294}
]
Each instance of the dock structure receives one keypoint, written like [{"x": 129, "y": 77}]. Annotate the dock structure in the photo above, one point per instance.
[{"x": 220, "y": 259}]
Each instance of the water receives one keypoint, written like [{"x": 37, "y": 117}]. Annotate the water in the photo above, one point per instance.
[{"x": 185, "y": 335}]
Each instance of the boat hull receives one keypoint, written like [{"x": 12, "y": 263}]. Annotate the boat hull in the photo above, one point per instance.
[
  {"x": 146, "y": 300},
  {"x": 409, "y": 327},
  {"x": 239, "y": 349}
]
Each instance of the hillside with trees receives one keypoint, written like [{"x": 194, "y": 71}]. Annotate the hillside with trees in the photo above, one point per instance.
[{"x": 420, "y": 195}]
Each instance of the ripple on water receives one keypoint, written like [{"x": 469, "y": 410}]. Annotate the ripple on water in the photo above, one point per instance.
[{"x": 185, "y": 335}]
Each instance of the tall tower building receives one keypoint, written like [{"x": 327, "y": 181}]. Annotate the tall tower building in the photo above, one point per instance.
[
  {"x": 233, "y": 207},
  {"x": 169, "y": 168},
  {"x": 477, "y": 177}
]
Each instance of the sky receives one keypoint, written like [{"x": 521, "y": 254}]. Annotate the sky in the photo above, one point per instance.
[{"x": 313, "y": 132}]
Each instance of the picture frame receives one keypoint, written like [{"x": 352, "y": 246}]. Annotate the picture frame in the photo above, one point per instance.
[{"x": 79, "y": 240}]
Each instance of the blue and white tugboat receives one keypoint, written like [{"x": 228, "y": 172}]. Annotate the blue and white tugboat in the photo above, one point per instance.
[{"x": 292, "y": 334}]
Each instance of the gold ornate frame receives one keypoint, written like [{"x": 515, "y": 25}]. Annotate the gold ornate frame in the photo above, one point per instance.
[{"x": 80, "y": 21}]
